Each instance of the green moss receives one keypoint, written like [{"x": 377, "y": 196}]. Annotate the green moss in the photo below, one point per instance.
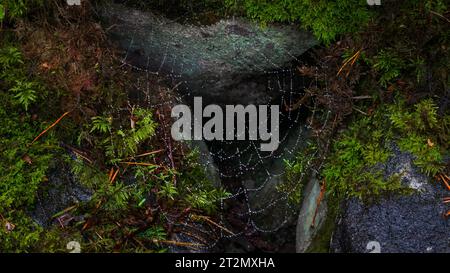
[
  {"x": 424, "y": 134},
  {"x": 24, "y": 164},
  {"x": 389, "y": 65},
  {"x": 296, "y": 175},
  {"x": 113, "y": 139},
  {"x": 327, "y": 19},
  {"x": 352, "y": 169}
]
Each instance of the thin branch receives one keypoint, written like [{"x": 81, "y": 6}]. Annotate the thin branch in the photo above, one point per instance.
[
  {"x": 192, "y": 245},
  {"x": 360, "y": 111},
  {"x": 50, "y": 127},
  {"x": 212, "y": 222},
  {"x": 141, "y": 164},
  {"x": 440, "y": 15}
]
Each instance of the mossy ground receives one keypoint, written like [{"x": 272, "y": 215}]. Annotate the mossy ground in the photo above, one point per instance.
[
  {"x": 61, "y": 81},
  {"x": 386, "y": 84}
]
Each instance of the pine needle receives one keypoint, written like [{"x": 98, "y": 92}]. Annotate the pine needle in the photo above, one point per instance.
[
  {"x": 114, "y": 176},
  {"x": 50, "y": 127},
  {"x": 195, "y": 245},
  {"x": 145, "y": 154},
  {"x": 212, "y": 222},
  {"x": 111, "y": 173},
  {"x": 350, "y": 60},
  {"x": 142, "y": 164},
  {"x": 445, "y": 182}
]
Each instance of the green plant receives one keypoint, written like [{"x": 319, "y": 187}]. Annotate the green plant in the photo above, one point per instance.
[
  {"x": 197, "y": 189},
  {"x": 11, "y": 63},
  {"x": 25, "y": 93},
  {"x": 327, "y": 19},
  {"x": 101, "y": 124},
  {"x": 389, "y": 65},
  {"x": 419, "y": 128},
  {"x": 353, "y": 169},
  {"x": 13, "y": 9},
  {"x": 168, "y": 190},
  {"x": 9, "y": 57},
  {"x": 22, "y": 236},
  {"x": 122, "y": 143},
  {"x": 419, "y": 68},
  {"x": 154, "y": 233},
  {"x": 2, "y": 12},
  {"x": 23, "y": 166},
  {"x": 297, "y": 173},
  {"x": 130, "y": 192}
]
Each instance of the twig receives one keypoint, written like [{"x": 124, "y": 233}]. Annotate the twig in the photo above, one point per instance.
[
  {"x": 440, "y": 15},
  {"x": 78, "y": 153},
  {"x": 145, "y": 154},
  {"x": 82, "y": 156},
  {"x": 114, "y": 176},
  {"x": 111, "y": 173},
  {"x": 198, "y": 238},
  {"x": 445, "y": 182},
  {"x": 296, "y": 105},
  {"x": 362, "y": 97},
  {"x": 50, "y": 127},
  {"x": 350, "y": 60},
  {"x": 64, "y": 211},
  {"x": 194, "y": 245},
  {"x": 360, "y": 111},
  {"x": 141, "y": 164},
  {"x": 212, "y": 222}
]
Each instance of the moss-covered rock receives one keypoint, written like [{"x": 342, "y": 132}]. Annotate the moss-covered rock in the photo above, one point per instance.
[{"x": 219, "y": 62}]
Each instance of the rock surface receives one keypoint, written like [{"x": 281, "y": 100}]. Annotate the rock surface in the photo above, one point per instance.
[
  {"x": 398, "y": 224},
  {"x": 270, "y": 206},
  {"x": 311, "y": 216},
  {"x": 60, "y": 192},
  {"x": 222, "y": 62}
]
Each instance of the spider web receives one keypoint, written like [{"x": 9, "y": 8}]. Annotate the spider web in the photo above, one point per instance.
[{"x": 245, "y": 171}]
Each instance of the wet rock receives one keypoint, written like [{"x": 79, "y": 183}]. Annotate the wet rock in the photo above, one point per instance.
[
  {"x": 61, "y": 191},
  {"x": 222, "y": 62},
  {"x": 311, "y": 216},
  {"x": 398, "y": 223},
  {"x": 270, "y": 206}
]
